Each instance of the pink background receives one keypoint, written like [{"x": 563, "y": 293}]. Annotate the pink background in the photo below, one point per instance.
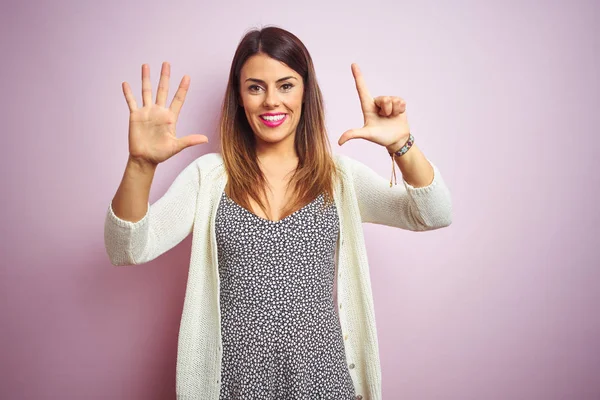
[{"x": 502, "y": 96}]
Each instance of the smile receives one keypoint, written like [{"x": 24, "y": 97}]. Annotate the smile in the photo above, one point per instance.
[{"x": 273, "y": 121}]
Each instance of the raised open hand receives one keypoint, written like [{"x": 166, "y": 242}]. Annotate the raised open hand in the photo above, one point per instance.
[
  {"x": 385, "y": 121},
  {"x": 152, "y": 135}
]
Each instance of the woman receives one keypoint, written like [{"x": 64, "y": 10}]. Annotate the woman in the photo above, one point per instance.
[{"x": 276, "y": 223}]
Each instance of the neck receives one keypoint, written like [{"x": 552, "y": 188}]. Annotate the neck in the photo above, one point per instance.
[{"x": 276, "y": 152}]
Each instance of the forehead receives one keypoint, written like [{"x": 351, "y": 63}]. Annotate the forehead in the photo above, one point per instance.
[{"x": 263, "y": 67}]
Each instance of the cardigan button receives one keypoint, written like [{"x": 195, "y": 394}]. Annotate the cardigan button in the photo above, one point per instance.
[
  {"x": 351, "y": 366},
  {"x": 358, "y": 397}
]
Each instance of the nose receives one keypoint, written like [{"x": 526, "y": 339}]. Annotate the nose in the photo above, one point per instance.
[{"x": 271, "y": 98}]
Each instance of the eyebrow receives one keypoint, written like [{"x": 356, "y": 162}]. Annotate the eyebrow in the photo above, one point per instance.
[{"x": 278, "y": 80}]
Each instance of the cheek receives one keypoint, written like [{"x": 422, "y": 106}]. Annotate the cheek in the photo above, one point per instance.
[
  {"x": 247, "y": 102},
  {"x": 251, "y": 108},
  {"x": 299, "y": 100},
  {"x": 296, "y": 103}
]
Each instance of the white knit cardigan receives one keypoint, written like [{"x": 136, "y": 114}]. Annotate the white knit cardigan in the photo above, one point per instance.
[{"x": 190, "y": 205}]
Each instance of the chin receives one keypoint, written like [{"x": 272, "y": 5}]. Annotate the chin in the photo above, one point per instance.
[{"x": 273, "y": 138}]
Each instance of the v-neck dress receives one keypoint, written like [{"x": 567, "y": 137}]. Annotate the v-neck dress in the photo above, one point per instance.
[{"x": 281, "y": 333}]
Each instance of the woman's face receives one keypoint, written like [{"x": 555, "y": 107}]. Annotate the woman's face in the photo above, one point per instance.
[{"x": 271, "y": 94}]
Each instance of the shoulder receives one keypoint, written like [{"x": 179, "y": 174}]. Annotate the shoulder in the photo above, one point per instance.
[
  {"x": 342, "y": 162},
  {"x": 209, "y": 163},
  {"x": 347, "y": 165},
  {"x": 209, "y": 160},
  {"x": 205, "y": 168}
]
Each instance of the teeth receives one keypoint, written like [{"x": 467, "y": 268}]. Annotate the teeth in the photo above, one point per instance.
[{"x": 273, "y": 117}]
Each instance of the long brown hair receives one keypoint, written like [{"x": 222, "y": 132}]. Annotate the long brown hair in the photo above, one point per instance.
[{"x": 316, "y": 169}]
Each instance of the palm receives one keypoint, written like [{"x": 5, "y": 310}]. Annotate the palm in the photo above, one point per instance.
[
  {"x": 152, "y": 135},
  {"x": 385, "y": 121},
  {"x": 380, "y": 129}
]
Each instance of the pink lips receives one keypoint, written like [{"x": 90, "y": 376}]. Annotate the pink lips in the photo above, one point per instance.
[{"x": 273, "y": 124}]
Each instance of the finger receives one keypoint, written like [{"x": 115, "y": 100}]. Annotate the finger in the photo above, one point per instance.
[
  {"x": 146, "y": 86},
  {"x": 129, "y": 97},
  {"x": 353, "y": 134},
  {"x": 180, "y": 95},
  {"x": 191, "y": 140},
  {"x": 379, "y": 103},
  {"x": 163, "y": 84},
  {"x": 399, "y": 106},
  {"x": 385, "y": 105},
  {"x": 361, "y": 86},
  {"x": 388, "y": 106}
]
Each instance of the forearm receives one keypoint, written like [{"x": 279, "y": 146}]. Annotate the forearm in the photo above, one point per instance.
[
  {"x": 408, "y": 207},
  {"x": 131, "y": 200},
  {"x": 416, "y": 169}
]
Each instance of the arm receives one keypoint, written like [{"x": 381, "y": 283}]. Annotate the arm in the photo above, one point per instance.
[
  {"x": 403, "y": 205},
  {"x": 415, "y": 168},
  {"x": 424, "y": 206},
  {"x": 131, "y": 200},
  {"x": 136, "y": 232}
]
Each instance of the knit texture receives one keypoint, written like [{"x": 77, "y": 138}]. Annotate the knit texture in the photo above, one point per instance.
[{"x": 190, "y": 205}]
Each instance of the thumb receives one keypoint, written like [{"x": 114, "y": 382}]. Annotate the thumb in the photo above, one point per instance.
[
  {"x": 351, "y": 134},
  {"x": 191, "y": 140}
]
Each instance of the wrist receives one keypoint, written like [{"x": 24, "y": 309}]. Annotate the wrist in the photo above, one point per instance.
[
  {"x": 141, "y": 166},
  {"x": 394, "y": 147},
  {"x": 396, "y": 152},
  {"x": 401, "y": 147}
]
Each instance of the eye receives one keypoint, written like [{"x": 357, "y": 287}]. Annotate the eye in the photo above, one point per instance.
[
  {"x": 254, "y": 88},
  {"x": 287, "y": 86}
]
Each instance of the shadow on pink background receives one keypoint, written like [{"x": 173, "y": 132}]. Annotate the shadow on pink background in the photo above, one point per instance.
[{"x": 503, "y": 97}]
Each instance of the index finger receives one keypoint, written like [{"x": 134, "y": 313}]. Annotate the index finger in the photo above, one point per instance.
[{"x": 361, "y": 86}]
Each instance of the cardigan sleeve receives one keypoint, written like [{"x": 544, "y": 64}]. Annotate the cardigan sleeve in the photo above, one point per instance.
[
  {"x": 167, "y": 222},
  {"x": 402, "y": 206}
]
